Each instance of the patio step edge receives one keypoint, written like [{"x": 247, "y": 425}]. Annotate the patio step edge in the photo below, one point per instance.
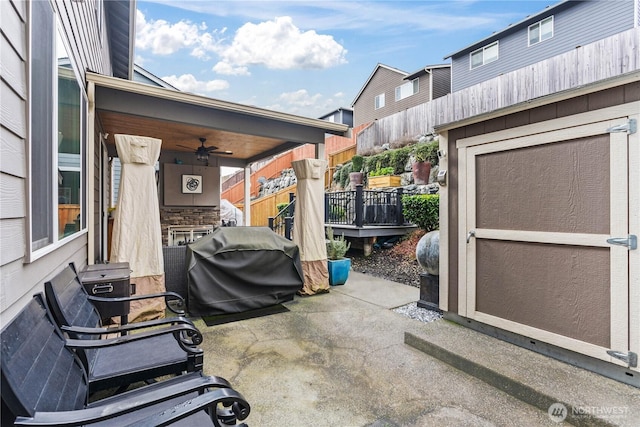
[{"x": 519, "y": 389}]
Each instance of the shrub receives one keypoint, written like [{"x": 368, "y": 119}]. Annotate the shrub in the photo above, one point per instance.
[
  {"x": 422, "y": 210},
  {"x": 344, "y": 174},
  {"x": 357, "y": 161},
  {"x": 398, "y": 159},
  {"x": 281, "y": 206}
]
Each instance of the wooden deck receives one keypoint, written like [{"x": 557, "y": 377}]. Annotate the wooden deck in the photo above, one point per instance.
[{"x": 364, "y": 237}]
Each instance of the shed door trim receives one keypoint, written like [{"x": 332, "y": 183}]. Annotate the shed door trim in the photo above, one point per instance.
[{"x": 623, "y": 335}]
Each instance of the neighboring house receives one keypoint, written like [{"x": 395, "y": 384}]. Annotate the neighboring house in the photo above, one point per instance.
[
  {"x": 390, "y": 90},
  {"x": 557, "y": 29},
  {"x": 341, "y": 115},
  {"x": 56, "y": 131}
]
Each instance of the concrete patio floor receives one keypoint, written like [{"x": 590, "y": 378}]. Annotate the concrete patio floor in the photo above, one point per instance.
[{"x": 340, "y": 359}]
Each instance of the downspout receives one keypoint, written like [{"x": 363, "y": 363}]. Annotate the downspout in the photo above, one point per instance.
[{"x": 90, "y": 172}]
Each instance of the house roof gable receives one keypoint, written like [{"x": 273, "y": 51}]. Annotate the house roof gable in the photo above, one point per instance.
[{"x": 375, "y": 70}]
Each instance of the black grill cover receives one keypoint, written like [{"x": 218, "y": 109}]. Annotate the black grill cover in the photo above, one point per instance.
[{"x": 235, "y": 269}]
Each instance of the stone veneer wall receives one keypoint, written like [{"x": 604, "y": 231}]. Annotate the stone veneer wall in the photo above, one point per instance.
[{"x": 187, "y": 217}]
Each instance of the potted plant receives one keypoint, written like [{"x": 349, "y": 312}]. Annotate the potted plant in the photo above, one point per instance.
[
  {"x": 338, "y": 264},
  {"x": 383, "y": 177},
  {"x": 356, "y": 176},
  {"x": 425, "y": 155}
]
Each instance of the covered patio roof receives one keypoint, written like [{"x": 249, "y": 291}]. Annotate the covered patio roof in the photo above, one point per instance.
[{"x": 180, "y": 119}]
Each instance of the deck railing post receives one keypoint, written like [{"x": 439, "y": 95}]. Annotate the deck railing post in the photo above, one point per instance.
[
  {"x": 290, "y": 206},
  {"x": 400, "y": 216},
  {"x": 288, "y": 223},
  {"x": 359, "y": 205},
  {"x": 327, "y": 200},
  {"x": 271, "y": 222}
]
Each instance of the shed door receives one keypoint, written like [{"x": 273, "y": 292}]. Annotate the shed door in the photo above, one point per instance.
[{"x": 539, "y": 210}]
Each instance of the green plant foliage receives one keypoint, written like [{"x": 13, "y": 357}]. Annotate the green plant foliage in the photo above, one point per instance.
[
  {"x": 398, "y": 159},
  {"x": 344, "y": 174},
  {"x": 357, "y": 161},
  {"x": 422, "y": 210},
  {"x": 382, "y": 171},
  {"x": 427, "y": 152},
  {"x": 281, "y": 206},
  {"x": 337, "y": 247}
]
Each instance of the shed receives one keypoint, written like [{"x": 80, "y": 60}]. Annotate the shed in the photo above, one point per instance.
[{"x": 539, "y": 214}]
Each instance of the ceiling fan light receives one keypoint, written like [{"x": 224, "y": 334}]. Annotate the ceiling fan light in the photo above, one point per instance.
[{"x": 203, "y": 157}]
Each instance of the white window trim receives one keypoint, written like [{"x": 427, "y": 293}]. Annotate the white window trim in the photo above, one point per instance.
[
  {"x": 539, "y": 25},
  {"x": 410, "y": 82},
  {"x": 483, "y": 49},
  {"x": 31, "y": 255},
  {"x": 375, "y": 101}
]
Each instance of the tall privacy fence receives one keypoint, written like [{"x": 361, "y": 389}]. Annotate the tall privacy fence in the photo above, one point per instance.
[{"x": 610, "y": 57}]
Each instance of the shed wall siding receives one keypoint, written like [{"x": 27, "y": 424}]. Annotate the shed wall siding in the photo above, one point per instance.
[
  {"x": 576, "y": 26},
  {"x": 19, "y": 279}
]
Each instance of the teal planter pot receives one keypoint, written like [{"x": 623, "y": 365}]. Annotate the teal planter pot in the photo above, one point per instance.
[{"x": 339, "y": 271}]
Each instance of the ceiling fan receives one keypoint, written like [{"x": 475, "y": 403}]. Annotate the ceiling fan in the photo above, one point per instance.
[{"x": 202, "y": 152}]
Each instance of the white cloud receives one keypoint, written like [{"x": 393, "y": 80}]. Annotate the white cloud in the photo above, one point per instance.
[
  {"x": 279, "y": 44},
  {"x": 165, "y": 38},
  {"x": 229, "y": 70},
  {"x": 188, "y": 83},
  {"x": 300, "y": 98}
]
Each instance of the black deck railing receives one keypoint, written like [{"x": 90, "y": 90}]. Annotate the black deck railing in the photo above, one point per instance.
[
  {"x": 357, "y": 208},
  {"x": 282, "y": 223},
  {"x": 361, "y": 207}
]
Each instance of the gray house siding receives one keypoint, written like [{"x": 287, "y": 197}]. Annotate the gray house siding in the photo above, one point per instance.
[
  {"x": 579, "y": 24},
  {"x": 19, "y": 278},
  {"x": 385, "y": 81},
  {"x": 441, "y": 82}
]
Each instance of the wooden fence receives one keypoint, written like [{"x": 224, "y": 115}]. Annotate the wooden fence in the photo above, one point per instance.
[
  {"x": 610, "y": 57},
  {"x": 266, "y": 206}
]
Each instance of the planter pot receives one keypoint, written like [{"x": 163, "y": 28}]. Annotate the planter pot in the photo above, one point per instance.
[
  {"x": 355, "y": 178},
  {"x": 421, "y": 171},
  {"x": 339, "y": 271},
  {"x": 384, "y": 181}
]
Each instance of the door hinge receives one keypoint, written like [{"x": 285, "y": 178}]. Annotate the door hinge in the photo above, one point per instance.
[
  {"x": 630, "y": 127},
  {"x": 630, "y": 358},
  {"x": 631, "y": 241}
]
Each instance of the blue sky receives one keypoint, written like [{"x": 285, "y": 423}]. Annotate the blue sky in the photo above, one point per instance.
[{"x": 306, "y": 57}]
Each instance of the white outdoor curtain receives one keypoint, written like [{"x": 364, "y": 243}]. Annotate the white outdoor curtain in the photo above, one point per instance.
[
  {"x": 137, "y": 235},
  {"x": 308, "y": 231}
]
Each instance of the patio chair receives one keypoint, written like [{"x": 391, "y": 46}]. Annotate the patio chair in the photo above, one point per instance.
[
  {"x": 73, "y": 308},
  {"x": 44, "y": 383},
  {"x": 126, "y": 359}
]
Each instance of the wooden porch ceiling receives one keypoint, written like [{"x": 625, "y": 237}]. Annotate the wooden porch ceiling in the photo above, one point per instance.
[{"x": 175, "y": 134}]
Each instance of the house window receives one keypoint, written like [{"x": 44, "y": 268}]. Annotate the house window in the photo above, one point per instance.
[
  {"x": 407, "y": 89},
  {"x": 379, "y": 101},
  {"x": 541, "y": 31},
  {"x": 57, "y": 138},
  {"x": 484, "y": 55}
]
